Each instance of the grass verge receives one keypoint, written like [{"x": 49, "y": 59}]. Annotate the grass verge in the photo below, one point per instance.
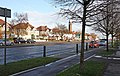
[
  {"x": 107, "y": 53},
  {"x": 92, "y": 68},
  {"x": 15, "y": 67}
]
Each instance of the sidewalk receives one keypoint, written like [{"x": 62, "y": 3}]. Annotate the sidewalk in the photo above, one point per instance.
[
  {"x": 113, "y": 63},
  {"x": 113, "y": 68}
]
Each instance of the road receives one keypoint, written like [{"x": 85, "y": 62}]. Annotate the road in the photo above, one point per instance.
[
  {"x": 21, "y": 53},
  {"x": 53, "y": 68}
]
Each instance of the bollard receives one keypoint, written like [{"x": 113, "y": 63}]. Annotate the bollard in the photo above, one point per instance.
[
  {"x": 86, "y": 46},
  {"x": 76, "y": 48},
  {"x": 44, "y": 51}
]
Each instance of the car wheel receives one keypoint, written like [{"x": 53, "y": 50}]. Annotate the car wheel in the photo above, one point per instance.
[
  {"x": 12, "y": 43},
  {"x": 1, "y": 44}
]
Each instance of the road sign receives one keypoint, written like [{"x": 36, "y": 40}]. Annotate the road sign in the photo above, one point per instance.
[{"x": 2, "y": 12}]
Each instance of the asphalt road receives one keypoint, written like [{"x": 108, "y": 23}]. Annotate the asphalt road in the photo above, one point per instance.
[
  {"x": 22, "y": 52},
  {"x": 53, "y": 68}
]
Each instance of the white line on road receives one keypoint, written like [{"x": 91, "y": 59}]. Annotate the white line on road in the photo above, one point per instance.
[{"x": 89, "y": 57}]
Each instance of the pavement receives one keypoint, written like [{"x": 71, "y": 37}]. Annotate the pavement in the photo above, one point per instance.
[
  {"x": 113, "y": 63},
  {"x": 112, "y": 68}
]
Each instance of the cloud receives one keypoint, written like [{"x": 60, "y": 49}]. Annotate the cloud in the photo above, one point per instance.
[{"x": 49, "y": 19}]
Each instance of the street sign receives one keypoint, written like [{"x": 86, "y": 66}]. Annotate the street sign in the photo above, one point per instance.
[{"x": 2, "y": 12}]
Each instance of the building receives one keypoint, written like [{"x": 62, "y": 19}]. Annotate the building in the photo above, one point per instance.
[
  {"x": 24, "y": 30},
  {"x": 70, "y": 26},
  {"x": 43, "y": 32},
  {"x": 2, "y": 29}
]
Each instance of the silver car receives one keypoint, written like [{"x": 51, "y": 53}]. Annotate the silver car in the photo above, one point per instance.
[{"x": 2, "y": 42}]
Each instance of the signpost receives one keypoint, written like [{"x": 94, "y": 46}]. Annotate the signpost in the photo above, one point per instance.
[{"x": 4, "y": 12}]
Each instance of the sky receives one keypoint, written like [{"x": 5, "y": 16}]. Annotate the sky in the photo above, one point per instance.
[{"x": 40, "y": 13}]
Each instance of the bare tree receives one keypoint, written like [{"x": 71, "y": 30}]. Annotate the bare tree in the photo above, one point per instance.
[
  {"x": 19, "y": 18},
  {"x": 61, "y": 30},
  {"x": 115, "y": 27},
  {"x": 93, "y": 35},
  {"x": 115, "y": 19},
  {"x": 105, "y": 19},
  {"x": 80, "y": 11}
]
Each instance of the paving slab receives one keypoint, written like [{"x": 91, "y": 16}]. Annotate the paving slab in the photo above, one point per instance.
[{"x": 112, "y": 70}]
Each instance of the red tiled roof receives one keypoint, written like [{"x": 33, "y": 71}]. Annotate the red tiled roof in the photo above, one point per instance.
[
  {"x": 42, "y": 28},
  {"x": 22, "y": 26},
  {"x": 1, "y": 22},
  {"x": 56, "y": 30}
]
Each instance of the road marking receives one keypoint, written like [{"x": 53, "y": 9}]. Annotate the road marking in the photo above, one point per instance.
[
  {"x": 98, "y": 56},
  {"x": 89, "y": 57},
  {"x": 114, "y": 58},
  {"x": 66, "y": 58}
]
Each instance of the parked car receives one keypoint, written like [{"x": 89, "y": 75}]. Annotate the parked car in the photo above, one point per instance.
[
  {"x": 102, "y": 43},
  {"x": 93, "y": 44},
  {"x": 2, "y": 42},
  {"x": 19, "y": 40},
  {"x": 30, "y": 41}
]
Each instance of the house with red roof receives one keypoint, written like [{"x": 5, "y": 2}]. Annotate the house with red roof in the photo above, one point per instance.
[
  {"x": 24, "y": 30},
  {"x": 44, "y": 32},
  {"x": 2, "y": 29}
]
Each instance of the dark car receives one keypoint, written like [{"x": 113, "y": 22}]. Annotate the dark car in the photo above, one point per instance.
[
  {"x": 30, "y": 41},
  {"x": 19, "y": 40},
  {"x": 93, "y": 44}
]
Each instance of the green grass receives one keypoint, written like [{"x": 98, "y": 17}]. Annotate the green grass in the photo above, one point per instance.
[
  {"x": 15, "y": 67},
  {"x": 107, "y": 53},
  {"x": 92, "y": 68}
]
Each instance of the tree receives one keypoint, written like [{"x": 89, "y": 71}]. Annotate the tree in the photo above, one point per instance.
[
  {"x": 105, "y": 19},
  {"x": 19, "y": 18},
  {"x": 103, "y": 25},
  {"x": 115, "y": 26},
  {"x": 115, "y": 18},
  {"x": 79, "y": 11},
  {"x": 61, "y": 30},
  {"x": 32, "y": 36},
  {"x": 94, "y": 36}
]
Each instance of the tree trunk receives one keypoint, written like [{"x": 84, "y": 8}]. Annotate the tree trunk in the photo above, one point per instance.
[
  {"x": 107, "y": 26},
  {"x": 83, "y": 38}
]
